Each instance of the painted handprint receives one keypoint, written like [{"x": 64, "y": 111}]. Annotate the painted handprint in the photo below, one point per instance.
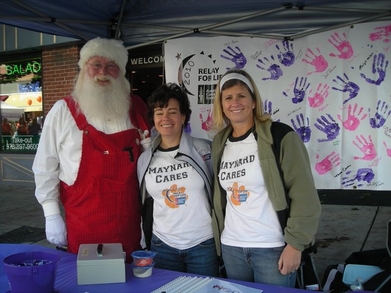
[
  {"x": 304, "y": 131},
  {"x": 342, "y": 45},
  {"x": 328, "y": 163},
  {"x": 299, "y": 90},
  {"x": 366, "y": 147},
  {"x": 320, "y": 95},
  {"x": 379, "y": 67},
  {"x": 362, "y": 175},
  {"x": 273, "y": 68},
  {"x": 268, "y": 107},
  {"x": 347, "y": 86},
  {"x": 237, "y": 57},
  {"x": 353, "y": 120},
  {"x": 286, "y": 58},
  {"x": 380, "y": 118},
  {"x": 207, "y": 124},
  {"x": 329, "y": 126},
  {"x": 388, "y": 150},
  {"x": 382, "y": 33},
  {"x": 318, "y": 61}
]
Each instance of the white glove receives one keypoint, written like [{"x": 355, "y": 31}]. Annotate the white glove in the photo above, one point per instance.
[
  {"x": 146, "y": 142},
  {"x": 56, "y": 231}
]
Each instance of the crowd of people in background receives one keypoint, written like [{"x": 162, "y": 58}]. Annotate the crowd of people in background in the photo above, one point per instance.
[{"x": 21, "y": 127}]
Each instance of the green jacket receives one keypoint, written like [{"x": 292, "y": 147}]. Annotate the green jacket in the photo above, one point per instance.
[{"x": 305, "y": 208}]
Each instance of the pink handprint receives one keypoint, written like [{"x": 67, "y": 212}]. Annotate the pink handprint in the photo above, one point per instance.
[
  {"x": 207, "y": 124},
  {"x": 342, "y": 45},
  {"x": 318, "y": 61},
  {"x": 367, "y": 148},
  {"x": 329, "y": 162},
  {"x": 387, "y": 149},
  {"x": 353, "y": 121},
  {"x": 318, "y": 98},
  {"x": 383, "y": 33}
]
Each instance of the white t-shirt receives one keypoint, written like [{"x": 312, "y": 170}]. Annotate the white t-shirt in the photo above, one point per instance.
[
  {"x": 181, "y": 212},
  {"x": 250, "y": 219}
]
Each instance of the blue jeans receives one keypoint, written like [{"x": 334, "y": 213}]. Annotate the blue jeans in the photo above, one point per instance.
[
  {"x": 259, "y": 265},
  {"x": 200, "y": 259}
]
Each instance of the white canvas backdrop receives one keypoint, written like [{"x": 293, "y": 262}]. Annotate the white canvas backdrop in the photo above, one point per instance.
[{"x": 333, "y": 88}]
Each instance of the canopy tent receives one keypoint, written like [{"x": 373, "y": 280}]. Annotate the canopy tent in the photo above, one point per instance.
[
  {"x": 140, "y": 23},
  {"x": 10, "y": 112}
]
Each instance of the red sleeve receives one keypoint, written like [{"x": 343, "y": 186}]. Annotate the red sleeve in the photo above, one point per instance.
[{"x": 138, "y": 113}]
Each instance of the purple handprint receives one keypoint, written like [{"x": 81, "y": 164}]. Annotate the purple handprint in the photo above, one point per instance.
[
  {"x": 329, "y": 162},
  {"x": 236, "y": 57},
  {"x": 299, "y": 90},
  {"x": 366, "y": 147},
  {"x": 318, "y": 61},
  {"x": 388, "y": 150},
  {"x": 286, "y": 58},
  {"x": 342, "y": 45},
  {"x": 330, "y": 128},
  {"x": 383, "y": 33},
  {"x": 348, "y": 86},
  {"x": 304, "y": 131},
  {"x": 318, "y": 98},
  {"x": 378, "y": 66},
  {"x": 274, "y": 69},
  {"x": 379, "y": 119},
  {"x": 267, "y": 107},
  {"x": 363, "y": 174},
  {"x": 352, "y": 121}
]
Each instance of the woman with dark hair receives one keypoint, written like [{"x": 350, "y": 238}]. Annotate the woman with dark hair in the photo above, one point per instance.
[{"x": 175, "y": 177}]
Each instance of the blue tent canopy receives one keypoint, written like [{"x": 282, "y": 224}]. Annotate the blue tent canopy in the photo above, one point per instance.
[{"x": 143, "y": 22}]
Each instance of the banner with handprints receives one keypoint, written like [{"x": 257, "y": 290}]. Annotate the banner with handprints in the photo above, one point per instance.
[{"x": 333, "y": 88}]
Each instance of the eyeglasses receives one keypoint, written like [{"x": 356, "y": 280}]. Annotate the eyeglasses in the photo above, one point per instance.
[{"x": 99, "y": 66}]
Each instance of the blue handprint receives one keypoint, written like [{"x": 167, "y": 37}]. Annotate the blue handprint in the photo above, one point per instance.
[
  {"x": 299, "y": 90},
  {"x": 274, "y": 69},
  {"x": 286, "y": 58},
  {"x": 348, "y": 86},
  {"x": 378, "y": 66},
  {"x": 363, "y": 174},
  {"x": 236, "y": 57},
  {"x": 380, "y": 118},
  {"x": 330, "y": 128},
  {"x": 302, "y": 130}
]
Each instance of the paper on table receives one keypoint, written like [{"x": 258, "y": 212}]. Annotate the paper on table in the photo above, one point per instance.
[{"x": 204, "y": 285}]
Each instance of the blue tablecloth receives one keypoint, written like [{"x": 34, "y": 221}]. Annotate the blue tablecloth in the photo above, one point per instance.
[{"x": 66, "y": 279}]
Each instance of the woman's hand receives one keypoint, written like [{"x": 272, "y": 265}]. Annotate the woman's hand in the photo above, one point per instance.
[{"x": 290, "y": 260}]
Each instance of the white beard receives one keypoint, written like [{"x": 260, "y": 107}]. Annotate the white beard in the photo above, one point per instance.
[{"x": 111, "y": 102}]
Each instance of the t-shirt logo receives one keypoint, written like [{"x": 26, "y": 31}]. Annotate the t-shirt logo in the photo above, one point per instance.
[
  {"x": 174, "y": 196},
  {"x": 239, "y": 194}
]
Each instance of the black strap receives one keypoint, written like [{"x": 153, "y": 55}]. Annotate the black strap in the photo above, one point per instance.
[{"x": 278, "y": 131}]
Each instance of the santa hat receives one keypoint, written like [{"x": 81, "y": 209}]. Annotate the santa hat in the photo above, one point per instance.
[{"x": 111, "y": 49}]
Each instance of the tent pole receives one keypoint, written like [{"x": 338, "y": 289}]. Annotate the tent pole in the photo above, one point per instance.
[{"x": 116, "y": 35}]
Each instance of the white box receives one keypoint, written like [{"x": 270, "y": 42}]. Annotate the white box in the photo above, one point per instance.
[{"x": 109, "y": 267}]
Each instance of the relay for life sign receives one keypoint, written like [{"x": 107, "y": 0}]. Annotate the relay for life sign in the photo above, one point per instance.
[{"x": 333, "y": 88}]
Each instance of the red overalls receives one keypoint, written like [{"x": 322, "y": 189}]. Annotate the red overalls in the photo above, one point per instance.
[{"x": 102, "y": 206}]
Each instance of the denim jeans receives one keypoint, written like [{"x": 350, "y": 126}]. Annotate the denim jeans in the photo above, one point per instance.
[
  {"x": 259, "y": 265},
  {"x": 200, "y": 259}
]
